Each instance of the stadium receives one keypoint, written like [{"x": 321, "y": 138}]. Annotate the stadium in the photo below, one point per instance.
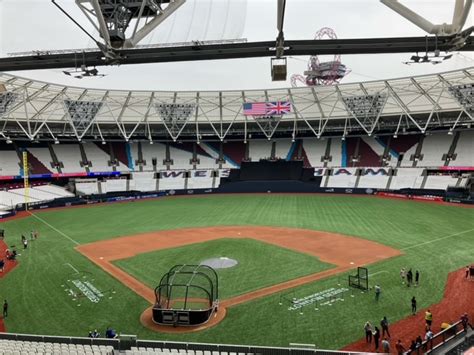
[{"x": 327, "y": 216}]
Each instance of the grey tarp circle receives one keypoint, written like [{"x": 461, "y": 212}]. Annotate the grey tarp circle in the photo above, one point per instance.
[{"x": 220, "y": 263}]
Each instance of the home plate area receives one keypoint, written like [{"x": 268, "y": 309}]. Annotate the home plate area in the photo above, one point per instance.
[{"x": 80, "y": 288}]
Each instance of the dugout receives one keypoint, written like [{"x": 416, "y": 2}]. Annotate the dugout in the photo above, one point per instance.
[{"x": 187, "y": 295}]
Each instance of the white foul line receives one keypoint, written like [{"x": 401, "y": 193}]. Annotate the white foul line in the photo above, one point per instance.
[
  {"x": 54, "y": 228},
  {"x": 72, "y": 267},
  {"x": 435, "y": 240}
]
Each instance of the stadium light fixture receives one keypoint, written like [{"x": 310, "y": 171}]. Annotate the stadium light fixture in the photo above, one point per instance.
[
  {"x": 103, "y": 142},
  {"x": 9, "y": 141}
]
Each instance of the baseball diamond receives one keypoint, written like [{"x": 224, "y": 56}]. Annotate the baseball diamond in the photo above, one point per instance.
[{"x": 180, "y": 178}]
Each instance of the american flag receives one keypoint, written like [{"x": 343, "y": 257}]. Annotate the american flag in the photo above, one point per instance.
[{"x": 267, "y": 108}]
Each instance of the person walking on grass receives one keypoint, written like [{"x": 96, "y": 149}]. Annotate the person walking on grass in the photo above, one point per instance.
[
  {"x": 384, "y": 325},
  {"x": 368, "y": 332},
  {"x": 5, "y": 309},
  {"x": 413, "y": 305},
  {"x": 409, "y": 278},
  {"x": 378, "y": 291}
]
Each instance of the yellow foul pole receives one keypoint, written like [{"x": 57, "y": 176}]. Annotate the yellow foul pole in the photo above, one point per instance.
[{"x": 25, "y": 179}]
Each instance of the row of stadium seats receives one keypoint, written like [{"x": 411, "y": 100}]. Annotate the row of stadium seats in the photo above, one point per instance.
[
  {"x": 146, "y": 351},
  {"x": 15, "y": 347},
  {"x": 12, "y": 197},
  {"x": 405, "y": 151}
]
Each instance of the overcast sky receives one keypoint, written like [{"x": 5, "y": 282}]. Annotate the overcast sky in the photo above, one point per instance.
[{"x": 36, "y": 24}]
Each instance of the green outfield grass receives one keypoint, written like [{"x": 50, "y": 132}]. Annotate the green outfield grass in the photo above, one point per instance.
[
  {"x": 260, "y": 264},
  {"x": 435, "y": 239}
]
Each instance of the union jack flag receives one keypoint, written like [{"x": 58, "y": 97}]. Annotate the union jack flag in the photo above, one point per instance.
[{"x": 267, "y": 108}]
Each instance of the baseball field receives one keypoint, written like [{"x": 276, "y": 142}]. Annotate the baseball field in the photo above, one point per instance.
[{"x": 97, "y": 266}]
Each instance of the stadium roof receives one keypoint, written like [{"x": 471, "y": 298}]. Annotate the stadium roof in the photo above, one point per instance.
[{"x": 33, "y": 109}]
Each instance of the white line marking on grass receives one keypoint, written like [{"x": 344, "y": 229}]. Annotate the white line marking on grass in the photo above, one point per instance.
[
  {"x": 54, "y": 228},
  {"x": 438, "y": 239},
  {"x": 72, "y": 267},
  {"x": 378, "y": 272}
]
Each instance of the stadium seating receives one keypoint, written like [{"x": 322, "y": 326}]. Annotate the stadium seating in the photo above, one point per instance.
[
  {"x": 87, "y": 187},
  {"x": 464, "y": 150},
  {"x": 143, "y": 181},
  {"x": 149, "y": 152},
  {"x": 12, "y": 197},
  {"x": 434, "y": 148},
  {"x": 336, "y": 153},
  {"x": 70, "y": 156},
  {"x": 409, "y": 178},
  {"x": 16, "y": 347},
  {"x": 315, "y": 150},
  {"x": 343, "y": 180},
  {"x": 43, "y": 155},
  {"x": 259, "y": 149},
  {"x": 9, "y": 163},
  {"x": 98, "y": 158}
]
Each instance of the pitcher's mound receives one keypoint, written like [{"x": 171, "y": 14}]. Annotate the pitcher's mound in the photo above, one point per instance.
[{"x": 220, "y": 263}]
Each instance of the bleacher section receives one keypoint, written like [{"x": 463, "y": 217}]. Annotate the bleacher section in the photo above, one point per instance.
[
  {"x": 9, "y": 161},
  {"x": 259, "y": 149},
  {"x": 10, "y": 198},
  {"x": 434, "y": 148},
  {"x": 409, "y": 178},
  {"x": 343, "y": 180},
  {"x": 98, "y": 158},
  {"x": 315, "y": 150},
  {"x": 43, "y": 155},
  {"x": 440, "y": 182},
  {"x": 282, "y": 148},
  {"x": 143, "y": 182},
  {"x": 336, "y": 152},
  {"x": 464, "y": 150},
  {"x": 373, "y": 181},
  {"x": 15, "y": 347},
  {"x": 149, "y": 152},
  {"x": 171, "y": 180},
  {"x": 70, "y": 156},
  {"x": 87, "y": 187}
]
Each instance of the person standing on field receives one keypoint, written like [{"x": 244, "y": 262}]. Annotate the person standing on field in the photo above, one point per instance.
[
  {"x": 378, "y": 291},
  {"x": 413, "y": 305},
  {"x": 376, "y": 334},
  {"x": 403, "y": 274},
  {"x": 417, "y": 277},
  {"x": 5, "y": 309},
  {"x": 368, "y": 332},
  {"x": 384, "y": 325},
  {"x": 428, "y": 317}
]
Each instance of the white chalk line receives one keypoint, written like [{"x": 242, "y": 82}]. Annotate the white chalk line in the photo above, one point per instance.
[
  {"x": 438, "y": 239},
  {"x": 53, "y": 228},
  {"x": 72, "y": 267},
  {"x": 378, "y": 272}
]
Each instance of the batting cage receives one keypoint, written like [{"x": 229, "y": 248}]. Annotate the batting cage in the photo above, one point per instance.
[
  {"x": 187, "y": 295},
  {"x": 361, "y": 279}
]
